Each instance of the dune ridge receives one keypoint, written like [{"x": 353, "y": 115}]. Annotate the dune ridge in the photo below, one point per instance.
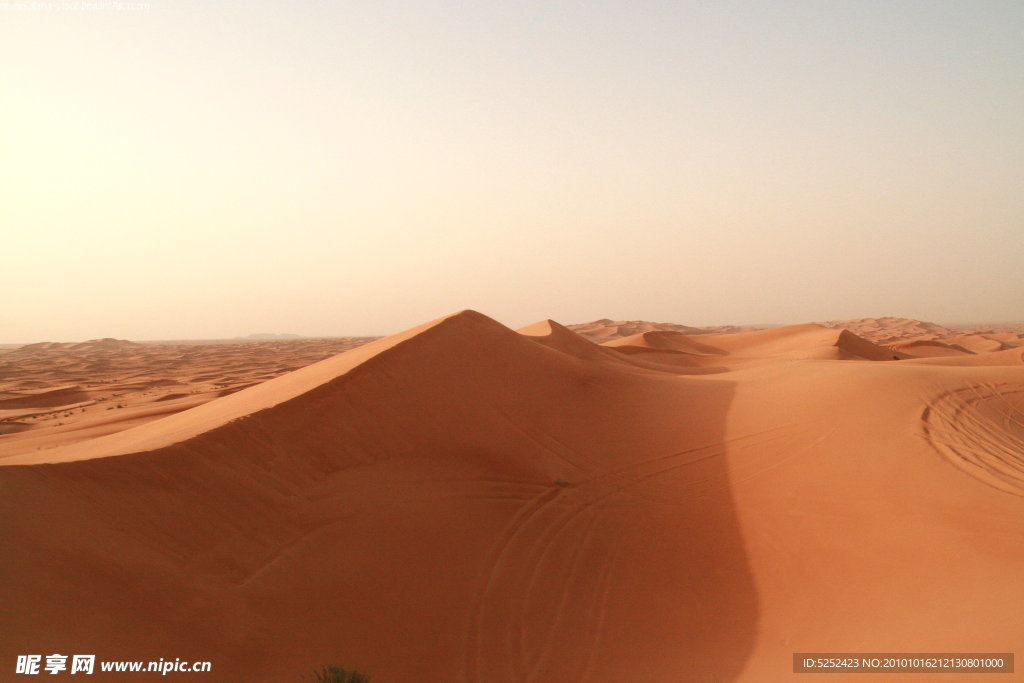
[{"x": 606, "y": 329}]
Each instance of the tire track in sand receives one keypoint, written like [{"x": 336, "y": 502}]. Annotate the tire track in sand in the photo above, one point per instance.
[{"x": 980, "y": 430}]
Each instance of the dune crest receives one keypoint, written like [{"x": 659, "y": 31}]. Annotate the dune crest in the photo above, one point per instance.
[
  {"x": 247, "y": 402},
  {"x": 810, "y": 341},
  {"x": 456, "y": 439},
  {"x": 664, "y": 341}
]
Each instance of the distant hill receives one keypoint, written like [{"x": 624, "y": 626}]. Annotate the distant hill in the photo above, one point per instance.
[
  {"x": 925, "y": 339},
  {"x": 888, "y": 329},
  {"x": 105, "y": 344},
  {"x": 271, "y": 335}
]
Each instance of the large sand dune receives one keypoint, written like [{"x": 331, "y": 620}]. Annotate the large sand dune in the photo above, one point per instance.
[{"x": 462, "y": 502}]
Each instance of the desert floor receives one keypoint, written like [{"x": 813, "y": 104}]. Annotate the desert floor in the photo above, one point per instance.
[{"x": 618, "y": 501}]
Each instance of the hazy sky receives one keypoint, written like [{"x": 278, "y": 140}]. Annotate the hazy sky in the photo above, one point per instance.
[{"x": 217, "y": 168}]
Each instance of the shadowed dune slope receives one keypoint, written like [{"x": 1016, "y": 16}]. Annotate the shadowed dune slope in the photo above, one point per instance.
[
  {"x": 459, "y": 502},
  {"x": 560, "y": 338}
]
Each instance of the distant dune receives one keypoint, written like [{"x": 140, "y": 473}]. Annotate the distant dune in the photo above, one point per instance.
[
  {"x": 271, "y": 335},
  {"x": 105, "y": 344},
  {"x": 605, "y": 329},
  {"x": 793, "y": 341},
  {"x": 924, "y": 339},
  {"x": 464, "y": 502},
  {"x": 56, "y": 393},
  {"x": 924, "y": 348}
]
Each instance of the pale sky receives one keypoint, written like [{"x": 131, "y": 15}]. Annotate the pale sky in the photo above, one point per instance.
[{"x": 211, "y": 169}]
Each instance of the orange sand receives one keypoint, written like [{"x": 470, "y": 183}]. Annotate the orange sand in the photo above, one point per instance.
[{"x": 462, "y": 502}]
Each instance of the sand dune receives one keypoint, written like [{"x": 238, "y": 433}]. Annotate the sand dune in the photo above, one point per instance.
[
  {"x": 899, "y": 333},
  {"x": 887, "y": 330},
  {"x": 675, "y": 342},
  {"x": 923, "y": 348},
  {"x": 799, "y": 342},
  {"x": 43, "y": 399},
  {"x": 462, "y": 502},
  {"x": 719, "y": 352},
  {"x": 976, "y": 343},
  {"x": 638, "y": 358},
  {"x": 605, "y": 329},
  {"x": 558, "y": 337}
]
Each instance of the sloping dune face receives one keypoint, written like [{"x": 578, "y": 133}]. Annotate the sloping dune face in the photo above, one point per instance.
[
  {"x": 664, "y": 341},
  {"x": 462, "y": 502},
  {"x": 928, "y": 349}
]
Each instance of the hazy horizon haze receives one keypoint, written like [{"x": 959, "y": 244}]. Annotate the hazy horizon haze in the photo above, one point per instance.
[{"x": 194, "y": 170}]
